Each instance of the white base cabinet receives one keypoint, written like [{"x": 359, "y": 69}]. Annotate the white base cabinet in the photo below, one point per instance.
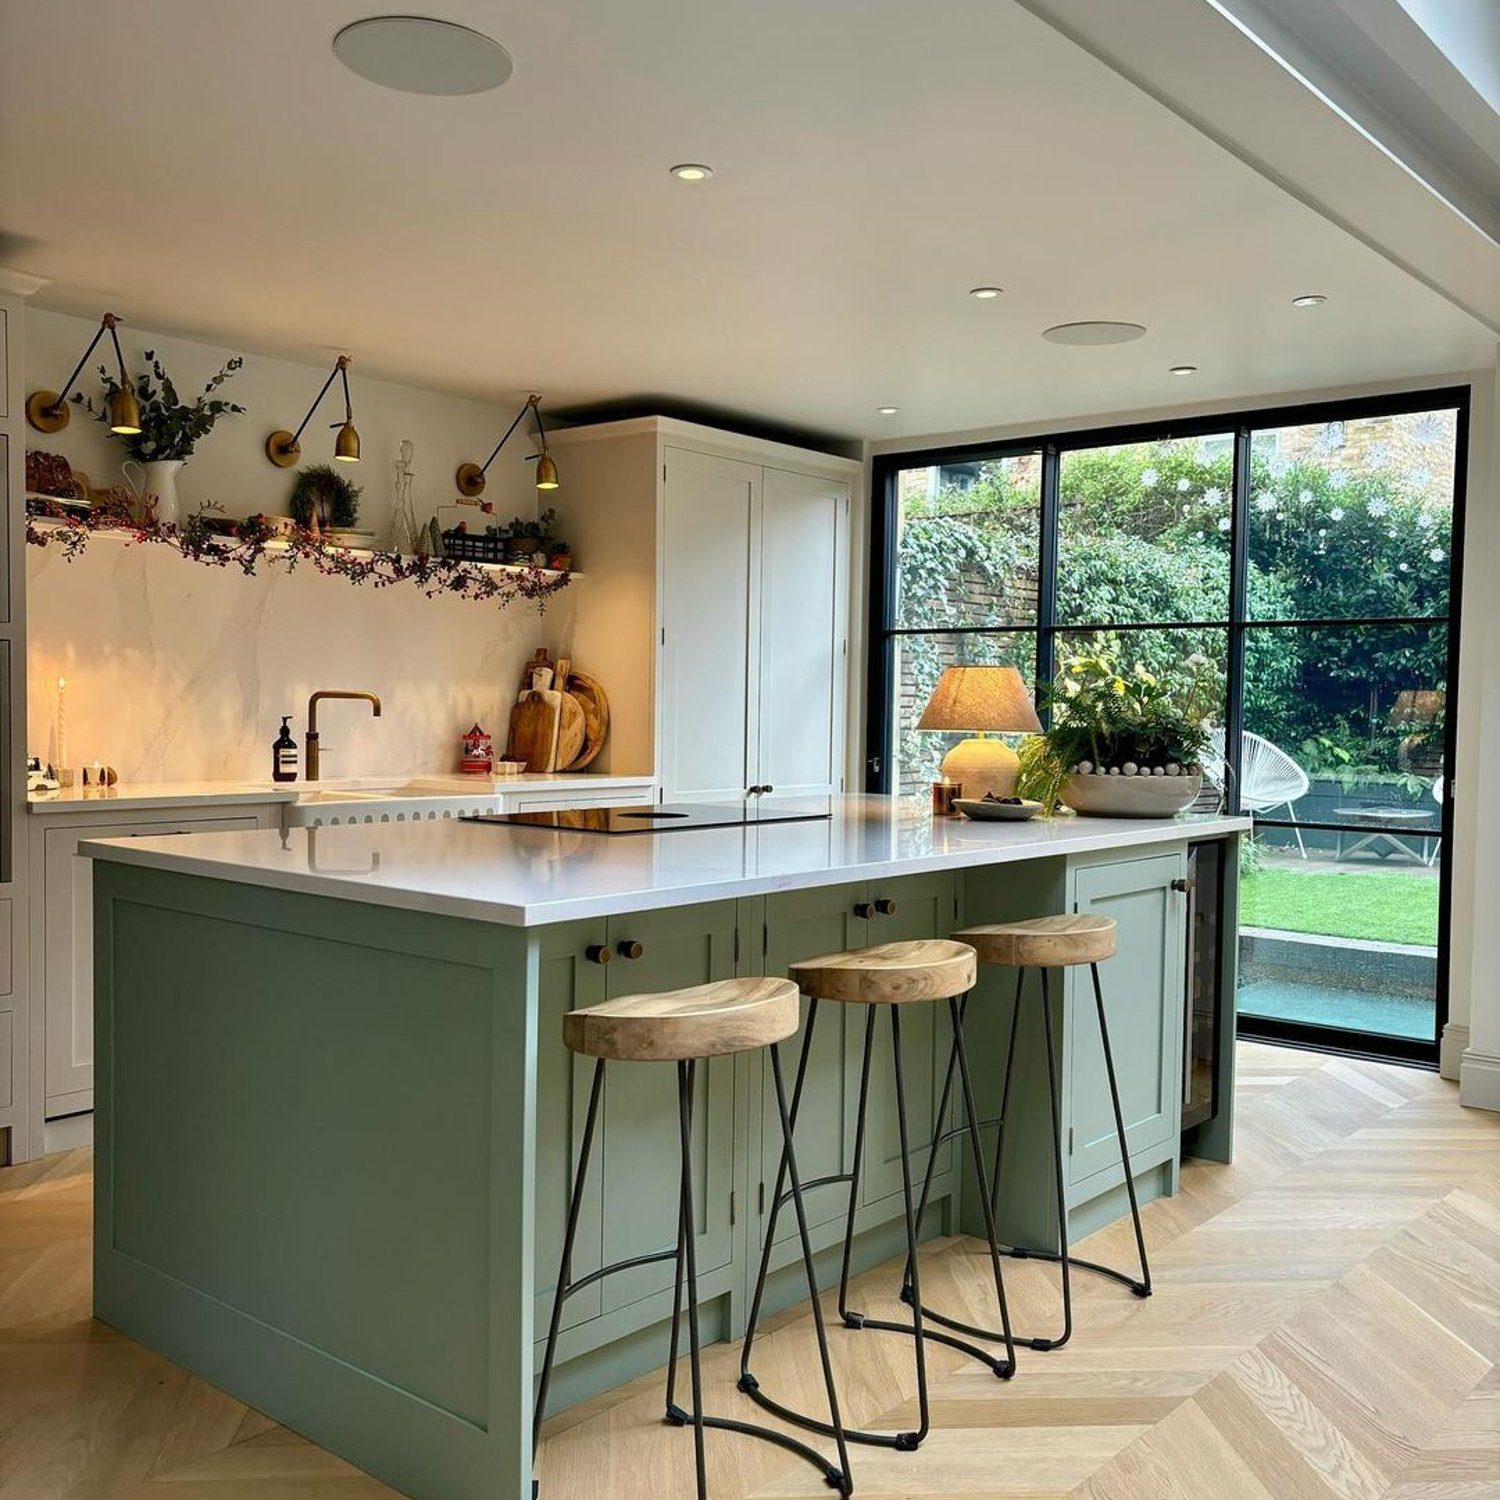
[{"x": 62, "y": 935}]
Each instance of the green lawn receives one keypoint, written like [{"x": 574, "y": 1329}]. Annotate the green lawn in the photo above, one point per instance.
[{"x": 1393, "y": 906}]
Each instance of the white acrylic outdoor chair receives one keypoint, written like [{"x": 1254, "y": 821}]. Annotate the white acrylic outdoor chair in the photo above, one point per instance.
[{"x": 1269, "y": 777}]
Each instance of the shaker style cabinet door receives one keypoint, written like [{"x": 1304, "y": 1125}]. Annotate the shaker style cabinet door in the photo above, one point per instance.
[
  {"x": 1143, "y": 1000},
  {"x": 803, "y": 924},
  {"x": 63, "y": 884},
  {"x": 803, "y": 627},
  {"x": 637, "y": 1152},
  {"x": 568, "y": 978},
  {"x": 709, "y": 653}
]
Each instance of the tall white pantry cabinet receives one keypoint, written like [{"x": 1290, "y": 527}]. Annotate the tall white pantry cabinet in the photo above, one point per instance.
[{"x": 718, "y": 573}]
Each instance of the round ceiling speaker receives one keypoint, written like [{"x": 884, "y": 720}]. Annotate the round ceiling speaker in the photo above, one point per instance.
[
  {"x": 418, "y": 55},
  {"x": 1093, "y": 333}
]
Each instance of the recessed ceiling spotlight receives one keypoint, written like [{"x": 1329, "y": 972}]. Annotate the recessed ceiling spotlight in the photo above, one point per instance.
[
  {"x": 1093, "y": 333},
  {"x": 1183, "y": 370},
  {"x": 986, "y": 293},
  {"x": 887, "y": 411},
  {"x": 1309, "y": 299},
  {"x": 419, "y": 55},
  {"x": 692, "y": 171}
]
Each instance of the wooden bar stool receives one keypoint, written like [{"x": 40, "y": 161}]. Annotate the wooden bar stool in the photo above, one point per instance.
[
  {"x": 891, "y": 975},
  {"x": 1045, "y": 943},
  {"x": 683, "y": 1026}
]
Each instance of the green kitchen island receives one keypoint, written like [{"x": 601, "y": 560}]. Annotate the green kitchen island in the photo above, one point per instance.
[{"x": 335, "y": 1121}]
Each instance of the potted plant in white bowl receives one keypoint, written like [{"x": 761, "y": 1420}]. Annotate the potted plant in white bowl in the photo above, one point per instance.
[{"x": 1123, "y": 743}]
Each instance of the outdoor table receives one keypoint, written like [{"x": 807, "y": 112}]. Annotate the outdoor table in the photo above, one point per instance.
[{"x": 1383, "y": 839}]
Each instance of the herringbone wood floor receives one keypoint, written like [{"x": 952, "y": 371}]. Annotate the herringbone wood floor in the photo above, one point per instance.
[{"x": 1326, "y": 1324}]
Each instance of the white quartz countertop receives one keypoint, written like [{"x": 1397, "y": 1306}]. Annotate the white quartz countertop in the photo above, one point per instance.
[
  {"x": 144, "y": 795},
  {"x": 522, "y": 876}
]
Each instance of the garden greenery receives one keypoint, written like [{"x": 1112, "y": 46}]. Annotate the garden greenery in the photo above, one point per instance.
[{"x": 1144, "y": 537}]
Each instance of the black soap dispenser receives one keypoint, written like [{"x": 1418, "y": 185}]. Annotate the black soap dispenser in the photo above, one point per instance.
[{"x": 284, "y": 753}]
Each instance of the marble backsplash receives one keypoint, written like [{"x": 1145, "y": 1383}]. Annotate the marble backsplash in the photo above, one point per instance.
[{"x": 178, "y": 670}]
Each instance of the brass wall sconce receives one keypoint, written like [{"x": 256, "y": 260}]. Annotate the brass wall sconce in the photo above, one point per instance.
[
  {"x": 283, "y": 449},
  {"x": 47, "y": 411},
  {"x": 470, "y": 477}
]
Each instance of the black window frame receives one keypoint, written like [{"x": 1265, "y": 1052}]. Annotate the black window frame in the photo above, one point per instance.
[{"x": 882, "y": 631}]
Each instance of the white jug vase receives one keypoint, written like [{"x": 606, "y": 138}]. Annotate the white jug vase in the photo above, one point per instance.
[{"x": 156, "y": 489}]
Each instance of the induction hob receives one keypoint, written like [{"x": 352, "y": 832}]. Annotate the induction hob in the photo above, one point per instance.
[{"x": 657, "y": 817}]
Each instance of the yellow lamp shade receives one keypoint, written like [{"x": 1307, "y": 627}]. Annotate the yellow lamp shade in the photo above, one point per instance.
[
  {"x": 982, "y": 700},
  {"x": 346, "y": 445},
  {"x": 991, "y": 700},
  {"x": 546, "y": 473}
]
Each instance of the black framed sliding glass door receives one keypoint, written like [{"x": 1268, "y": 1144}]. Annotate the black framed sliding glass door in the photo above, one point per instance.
[{"x": 1310, "y": 556}]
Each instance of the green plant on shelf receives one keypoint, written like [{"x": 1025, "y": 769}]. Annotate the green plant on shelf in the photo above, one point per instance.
[{"x": 323, "y": 492}]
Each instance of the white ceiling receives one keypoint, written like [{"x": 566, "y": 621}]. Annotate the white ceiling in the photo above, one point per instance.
[{"x": 212, "y": 170}]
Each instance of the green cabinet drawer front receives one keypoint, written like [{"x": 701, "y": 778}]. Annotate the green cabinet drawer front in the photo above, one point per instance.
[
  {"x": 925, "y": 908},
  {"x": 638, "y": 1149},
  {"x": 1143, "y": 987},
  {"x": 800, "y": 925},
  {"x": 566, "y": 981}
]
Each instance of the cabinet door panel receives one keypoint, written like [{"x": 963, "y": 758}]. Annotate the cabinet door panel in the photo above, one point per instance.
[
  {"x": 802, "y": 632},
  {"x": 801, "y": 924},
  {"x": 566, "y": 981},
  {"x": 67, "y": 891},
  {"x": 1142, "y": 987},
  {"x": 924, "y": 909},
  {"x": 639, "y": 1154},
  {"x": 709, "y": 557}
]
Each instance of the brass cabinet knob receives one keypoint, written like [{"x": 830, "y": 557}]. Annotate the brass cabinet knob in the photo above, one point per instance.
[
  {"x": 885, "y": 907},
  {"x": 629, "y": 948},
  {"x": 863, "y": 910},
  {"x": 597, "y": 953},
  {"x": 1182, "y": 885}
]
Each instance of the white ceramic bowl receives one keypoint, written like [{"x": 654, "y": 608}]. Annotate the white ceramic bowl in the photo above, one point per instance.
[{"x": 1130, "y": 796}]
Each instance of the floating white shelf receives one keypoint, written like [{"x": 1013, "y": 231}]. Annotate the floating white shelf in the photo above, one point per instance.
[{"x": 122, "y": 534}]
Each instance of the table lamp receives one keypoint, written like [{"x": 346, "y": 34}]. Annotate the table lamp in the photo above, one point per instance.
[{"x": 982, "y": 701}]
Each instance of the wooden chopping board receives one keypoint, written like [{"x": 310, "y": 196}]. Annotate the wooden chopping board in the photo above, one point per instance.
[
  {"x": 534, "y": 723},
  {"x": 591, "y": 698},
  {"x": 571, "y": 728}
]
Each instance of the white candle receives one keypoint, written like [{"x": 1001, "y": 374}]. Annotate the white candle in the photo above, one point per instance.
[{"x": 62, "y": 722}]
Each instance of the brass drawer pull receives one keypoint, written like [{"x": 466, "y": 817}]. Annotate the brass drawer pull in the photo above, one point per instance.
[
  {"x": 863, "y": 910},
  {"x": 597, "y": 953},
  {"x": 629, "y": 948},
  {"x": 885, "y": 907}
]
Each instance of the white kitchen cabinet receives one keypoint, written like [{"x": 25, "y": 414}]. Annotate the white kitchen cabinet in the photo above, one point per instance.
[
  {"x": 62, "y": 933},
  {"x": 718, "y": 607}
]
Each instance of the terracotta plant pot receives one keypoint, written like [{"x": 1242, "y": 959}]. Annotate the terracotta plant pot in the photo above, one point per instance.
[{"x": 1103, "y": 796}]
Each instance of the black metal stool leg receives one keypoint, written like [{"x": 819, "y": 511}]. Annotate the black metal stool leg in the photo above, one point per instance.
[
  {"x": 753, "y": 1322},
  {"x": 961, "y": 1046},
  {"x": 842, "y": 1479},
  {"x": 1006, "y": 1367},
  {"x": 1141, "y": 1288},
  {"x": 565, "y": 1271},
  {"x": 908, "y": 1441},
  {"x": 853, "y": 1319},
  {"x": 1054, "y": 1101},
  {"x": 688, "y": 1239}
]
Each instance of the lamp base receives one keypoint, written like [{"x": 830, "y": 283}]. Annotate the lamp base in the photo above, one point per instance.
[
  {"x": 982, "y": 766},
  {"x": 470, "y": 481},
  {"x": 45, "y": 412},
  {"x": 283, "y": 449}
]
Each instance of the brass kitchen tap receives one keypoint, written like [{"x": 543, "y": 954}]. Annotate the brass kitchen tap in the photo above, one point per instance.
[{"x": 311, "y": 761}]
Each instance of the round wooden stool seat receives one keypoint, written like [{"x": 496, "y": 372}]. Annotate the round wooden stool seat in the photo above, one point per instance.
[
  {"x": 890, "y": 973},
  {"x": 705, "y": 1020},
  {"x": 1043, "y": 942}
]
